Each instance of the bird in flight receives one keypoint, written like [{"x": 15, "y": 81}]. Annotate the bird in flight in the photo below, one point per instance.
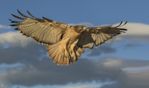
[{"x": 65, "y": 42}]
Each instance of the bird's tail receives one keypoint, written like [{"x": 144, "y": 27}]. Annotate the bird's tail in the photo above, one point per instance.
[
  {"x": 62, "y": 54},
  {"x": 59, "y": 52}
]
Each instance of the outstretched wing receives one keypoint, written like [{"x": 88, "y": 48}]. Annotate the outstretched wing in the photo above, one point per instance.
[
  {"x": 98, "y": 35},
  {"x": 43, "y": 30}
]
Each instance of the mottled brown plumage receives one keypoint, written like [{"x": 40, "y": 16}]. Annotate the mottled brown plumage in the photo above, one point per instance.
[{"x": 65, "y": 42}]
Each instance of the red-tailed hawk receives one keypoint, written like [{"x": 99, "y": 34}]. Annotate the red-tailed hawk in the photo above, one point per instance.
[{"x": 65, "y": 42}]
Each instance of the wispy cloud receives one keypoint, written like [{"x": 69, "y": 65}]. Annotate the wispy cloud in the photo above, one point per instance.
[
  {"x": 4, "y": 26},
  {"x": 92, "y": 84},
  {"x": 136, "y": 69}
]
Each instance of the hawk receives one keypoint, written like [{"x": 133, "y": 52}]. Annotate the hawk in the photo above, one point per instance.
[{"x": 65, "y": 42}]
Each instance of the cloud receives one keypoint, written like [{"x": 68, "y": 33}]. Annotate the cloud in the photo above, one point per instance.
[
  {"x": 136, "y": 69},
  {"x": 4, "y": 68},
  {"x": 28, "y": 53},
  {"x": 138, "y": 29},
  {"x": 4, "y": 26},
  {"x": 133, "y": 76},
  {"x": 35, "y": 64},
  {"x": 113, "y": 63},
  {"x": 136, "y": 77},
  {"x": 8, "y": 39},
  {"x": 103, "y": 49},
  {"x": 51, "y": 74},
  {"x": 42, "y": 72},
  {"x": 34, "y": 71},
  {"x": 92, "y": 84}
]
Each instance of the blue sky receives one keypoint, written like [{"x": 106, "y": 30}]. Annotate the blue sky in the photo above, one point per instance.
[
  {"x": 76, "y": 11},
  {"x": 24, "y": 60}
]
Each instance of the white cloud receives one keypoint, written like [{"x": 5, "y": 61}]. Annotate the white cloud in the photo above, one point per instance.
[
  {"x": 139, "y": 29},
  {"x": 135, "y": 32},
  {"x": 8, "y": 39}
]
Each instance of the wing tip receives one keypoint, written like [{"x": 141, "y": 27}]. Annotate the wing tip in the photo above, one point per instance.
[{"x": 50, "y": 20}]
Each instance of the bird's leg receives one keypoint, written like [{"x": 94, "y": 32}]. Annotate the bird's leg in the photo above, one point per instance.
[{"x": 72, "y": 52}]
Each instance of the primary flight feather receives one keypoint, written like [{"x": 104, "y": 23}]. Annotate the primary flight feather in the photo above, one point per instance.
[{"x": 65, "y": 42}]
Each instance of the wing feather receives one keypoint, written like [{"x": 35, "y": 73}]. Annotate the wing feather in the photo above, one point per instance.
[
  {"x": 43, "y": 30},
  {"x": 105, "y": 34},
  {"x": 98, "y": 35}
]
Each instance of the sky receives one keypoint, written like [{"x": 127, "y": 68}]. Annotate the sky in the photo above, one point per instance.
[{"x": 122, "y": 62}]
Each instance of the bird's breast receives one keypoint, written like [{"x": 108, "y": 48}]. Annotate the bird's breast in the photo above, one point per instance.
[{"x": 72, "y": 35}]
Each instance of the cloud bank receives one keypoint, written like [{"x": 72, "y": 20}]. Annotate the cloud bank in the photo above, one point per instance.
[{"x": 92, "y": 84}]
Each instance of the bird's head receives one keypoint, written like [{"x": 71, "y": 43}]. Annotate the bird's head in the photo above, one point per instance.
[{"x": 79, "y": 28}]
